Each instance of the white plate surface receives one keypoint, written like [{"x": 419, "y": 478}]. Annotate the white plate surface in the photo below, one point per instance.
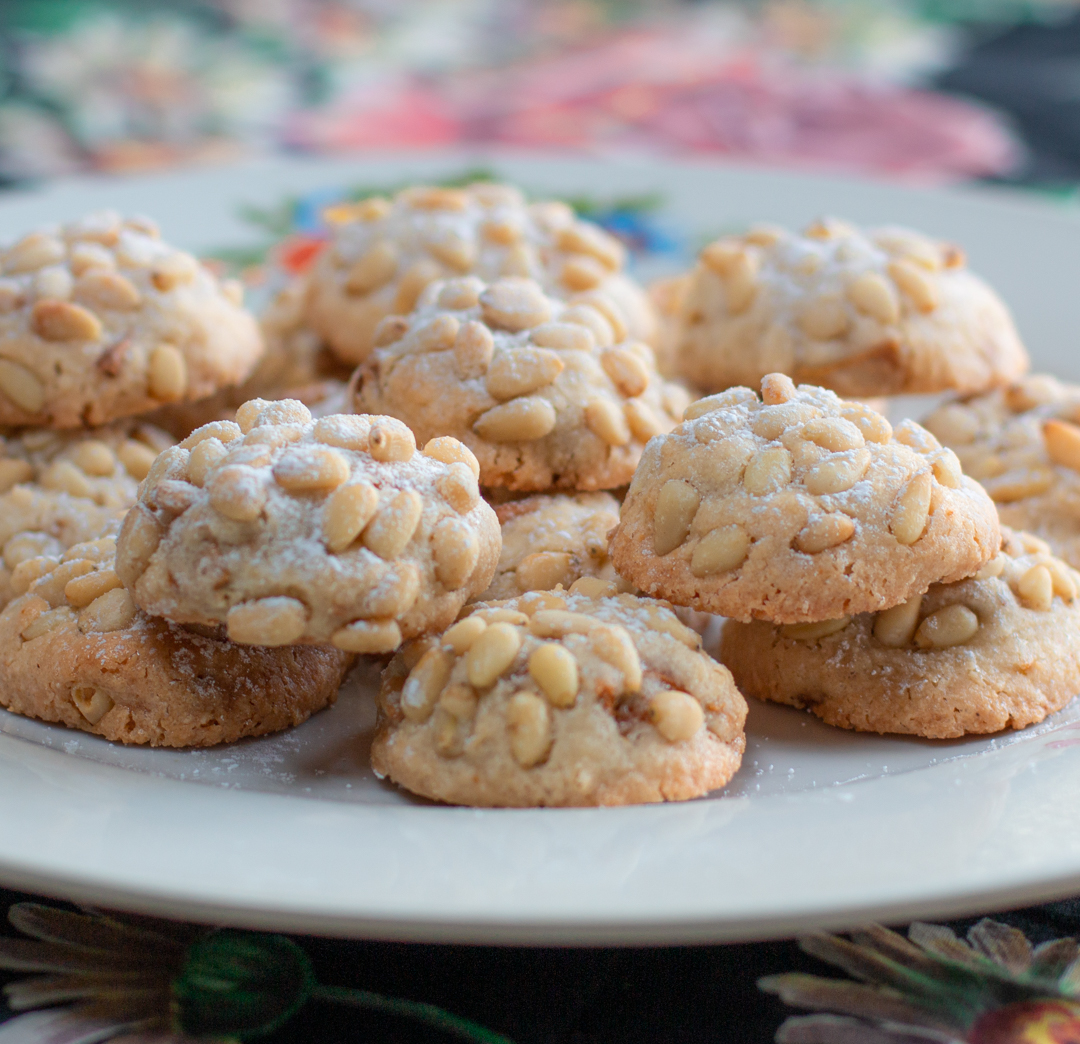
[{"x": 819, "y": 827}]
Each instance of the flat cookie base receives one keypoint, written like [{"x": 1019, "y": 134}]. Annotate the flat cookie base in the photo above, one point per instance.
[{"x": 169, "y": 687}]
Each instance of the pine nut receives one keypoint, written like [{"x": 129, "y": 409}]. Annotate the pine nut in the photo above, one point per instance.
[
  {"x": 1036, "y": 588},
  {"x": 450, "y": 451},
  {"x": 491, "y": 654},
  {"x": 458, "y": 295},
  {"x": 33, "y": 252},
  {"x": 50, "y": 620},
  {"x": 872, "y": 295},
  {"x": 21, "y": 386},
  {"x": 93, "y": 704},
  {"x": 582, "y": 273},
  {"x": 1032, "y": 544},
  {"x": 722, "y": 256},
  {"x": 873, "y": 426},
  {"x": 267, "y": 621},
  {"x": 514, "y": 304},
  {"x": 720, "y": 551},
  {"x": 373, "y": 269},
  {"x": 677, "y": 716},
  {"x": 563, "y": 337},
  {"x": 528, "y": 722},
  {"x": 1064, "y": 579},
  {"x": 13, "y": 471},
  {"x": 593, "y": 587},
  {"x": 100, "y": 550},
  {"x": 834, "y": 434},
  {"x": 412, "y": 283},
  {"x": 459, "y": 488},
  {"x": 29, "y": 570},
  {"x": 676, "y": 507},
  {"x": 473, "y": 349},
  {"x": 608, "y": 309},
  {"x": 456, "y": 551},
  {"x": 912, "y": 510},
  {"x": 1063, "y": 443},
  {"x": 592, "y": 320},
  {"x": 167, "y": 373},
  {"x": 394, "y": 595},
  {"x": 426, "y": 680},
  {"x": 823, "y": 532},
  {"x": 838, "y": 473},
  {"x": 536, "y": 601},
  {"x": 641, "y": 420},
  {"x": 557, "y": 623},
  {"x": 391, "y": 442},
  {"x": 947, "y": 468},
  {"x": 995, "y": 567},
  {"x": 823, "y": 319},
  {"x": 769, "y": 470},
  {"x": 544, "y": 570},
  {"x": 520, "y": 260},
  {"x": 555, "y": 671},
  {"x": 771, "y": 422},
  {"x": 461, "y": 636},
  {"x": 809, "y": 632},
  {"x": 580, "y": 238},
  {"x": 915, "y": 436},
  {"x": 390, "y": 531},
  {"x": 776, "y": 388},
  {"x": 204, "y": 458},
  {"x": 367, "y": 637},
  {"x": 82, "y": 590},
  {"x": 237, "y": 492},
  {"x": 1018, "y": 485},
  {"x": 178, "y": 269},
  {"x": 311, "y": 469},
  {"x": 626, "y": 371},
  {"x": 502, "y": 233},
  {"x": 347, "y": 511},
  {"x": 614, "y": 645},
  {"x": 520, "y": 420},
  {"x": 112, "y": 611},
  {"x": 953, "y": 424},
  {"x": 85, "y": 257},
  {"x": 136, "y": 457},
  {"x": 107, "y": 290},
  {"x": 54, "y": 283},
  {"x": 459, "y": 701},
  {"x": 95, "y": 458},
  {"x": 138, "y": 540},
  {"x": 435, "y": 335},
  {"x": 915, "y": 284},
  {"x": 424, "y": 197},
  {"x": 51, "y": 585},
  {"x": 895, "y": 627},
  {"x": 521, "y": 371},
  {"x": 952, "y": 625},
  {"x": 64, "y": 477},
  {"x": 389, "y": 330},
  {"x": 606, "y": 421}
]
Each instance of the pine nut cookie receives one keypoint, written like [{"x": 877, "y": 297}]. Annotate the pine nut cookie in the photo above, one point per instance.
[
  {"x": 877, "y": 312},
  {"x": 798, "y": 506},
  {"x": 99, "y": 319},
  {"x": 288, "y": 530},
  {"x": 1000, "y": 650},
  {"x": 75, "y": 650},
  {"x": 545, "y": 394},
  {"x": 560, "y": 698},
  {"x": 384, "y": 252},
  {"x": 1023, "y": 444},
  {"x": 553, "y": 539}
]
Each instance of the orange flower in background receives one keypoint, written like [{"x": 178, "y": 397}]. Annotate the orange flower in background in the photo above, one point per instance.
[{"x": 1030, "y": 1022}]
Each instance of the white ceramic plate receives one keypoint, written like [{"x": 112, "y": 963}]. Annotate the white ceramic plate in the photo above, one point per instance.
[{"x": 820, "y": 826}]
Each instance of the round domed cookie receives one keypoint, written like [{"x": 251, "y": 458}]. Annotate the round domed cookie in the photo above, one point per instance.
[
  {"x": 552, "y": 539},
  {"x": 384, "y": 252},
  {"x": 999, "y": 650},
  {"x": 547, "y": 395},
  {"x": 1023, "y": 444},
  {"x": 288, "y": 530},
  {"x": 560, "y": 698},
  {"x": 798, "y": 506},
  {"x": 877, "y": 312},
  {"x": 74, "y": 649},
  {"x": 99, "y": 319}
]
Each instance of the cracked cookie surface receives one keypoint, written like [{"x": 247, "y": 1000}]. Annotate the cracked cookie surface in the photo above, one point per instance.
[
  {"x": 545, "y": 394},
  {"x": 560, "y": 698},
  {"x": 798, "y": 506},
  {"x": 1000, "y": 650},
  {"x": 99, "y": 319},
  {"x": 883, "y": 311},
  {"x": 288, "y": 530},
  {"x": 384, "y": 252}
]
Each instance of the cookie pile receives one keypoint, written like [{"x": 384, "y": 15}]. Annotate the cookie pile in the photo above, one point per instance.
[{"x": 101, "y": 324}]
